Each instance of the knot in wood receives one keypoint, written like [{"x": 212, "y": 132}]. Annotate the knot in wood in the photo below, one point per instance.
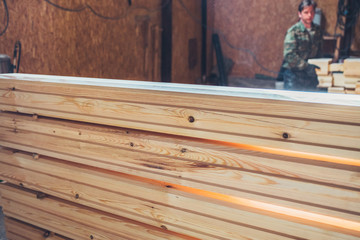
[
  {"x": 191, "y": 119},
  {"x": 46, "y": 234},
  {"x": 285, "y": 135}
]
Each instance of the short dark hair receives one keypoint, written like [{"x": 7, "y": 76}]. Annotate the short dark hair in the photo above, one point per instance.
[{"x": 306, "y": 3}]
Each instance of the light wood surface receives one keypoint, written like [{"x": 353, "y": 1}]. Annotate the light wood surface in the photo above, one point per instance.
[
  {"x": 336, "y": 67},
  {"x": 352, "y": 67},
  {"x": 117, "y": 159},
  {"x": 17, "y": 230},
  {"x": 323, "y": 64},
  {"x": 73, "y": 220}
]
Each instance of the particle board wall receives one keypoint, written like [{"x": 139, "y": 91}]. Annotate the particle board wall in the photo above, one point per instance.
[
  {"x": 82, "y": 44},
  {"x": 260, "y": 26}
]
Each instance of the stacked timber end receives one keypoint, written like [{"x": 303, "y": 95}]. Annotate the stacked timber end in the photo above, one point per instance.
[
  {"x": 341, "y": 77},
  {"x": 110, "y": 159}
]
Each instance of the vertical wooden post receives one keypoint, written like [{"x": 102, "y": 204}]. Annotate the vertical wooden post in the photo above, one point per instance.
[
  {"x": 203, "y": 37},
  {"x": 166, "y": 37}
]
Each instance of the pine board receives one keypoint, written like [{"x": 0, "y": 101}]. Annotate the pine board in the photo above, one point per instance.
[
  {"x": 215, "y": 177},
  {"x": 179, "y": 160},
  {"x": 243, "y": 100},
  {"x": 17, "y": 230},
  {"x": 229, "y": 127},
  {"x": 323, "y": 64},
  {"x": 74, "y": 220},
  {"x": 236, "y": 224},
  {"x": 352, "y": 67}
]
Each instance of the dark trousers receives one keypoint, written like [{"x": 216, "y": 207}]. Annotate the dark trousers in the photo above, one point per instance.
[{"x": 305, "y": 80}]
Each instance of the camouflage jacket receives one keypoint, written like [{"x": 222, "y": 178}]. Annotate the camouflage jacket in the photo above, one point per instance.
[{"x": 301, "y": 44}]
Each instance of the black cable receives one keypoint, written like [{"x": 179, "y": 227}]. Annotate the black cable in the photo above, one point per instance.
[
  {"x": 222, "y": 35},
  {"x": 7, "y": 18},
  {"x": 87, "y": 6}
]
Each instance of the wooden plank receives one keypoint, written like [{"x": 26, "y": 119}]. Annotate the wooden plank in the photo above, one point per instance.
[
  {"x": 97, "y": 142},
  {"x": 236, "y": 128},
  {"x": 51, "y": 202},
  {"x": 350, "y": 91},
  {"x": 352, "y": 67},
  {"x": 173, "y": 170},
  {"x": 348, "y": 229},
  {"x": 323, "y": 64},
  {"x": 223, "y": 179},
  {"x": 93, "y": 187},
  {"x": 336, "y": 67},
  {"x": 325, "y": 81},
  {"x": 73, "y": 220},
  {"x": 342, "y": 81},
  {"x": 17, "y": 230},
  {"x": 244, "y": 100},
  {"x": 203, "y": 171},
  {"x": 336, "y": 90}
]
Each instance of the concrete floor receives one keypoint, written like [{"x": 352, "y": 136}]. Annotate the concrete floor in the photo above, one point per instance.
[{"x": 2, "y": 227}]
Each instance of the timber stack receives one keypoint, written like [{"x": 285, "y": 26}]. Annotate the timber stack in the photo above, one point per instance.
[
  {"x": 338, "y": 77},
  {"x": 111, "y": 159}
]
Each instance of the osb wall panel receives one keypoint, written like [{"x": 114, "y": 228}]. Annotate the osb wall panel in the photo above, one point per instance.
[
  {"x": 82, "y": 44},
  {"x": 260, "y": 26},
  {"x": 186, "y": 41}
]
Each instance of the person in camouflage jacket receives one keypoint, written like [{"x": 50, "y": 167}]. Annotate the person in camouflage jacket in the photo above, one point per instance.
[{"x": 303, "y": 41}]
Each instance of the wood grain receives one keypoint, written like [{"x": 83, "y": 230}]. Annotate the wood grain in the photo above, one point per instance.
[
  {"x": 244, "y": 128},
  {"x": 17, "y": 230},
  {"x": 178, "y": 161},
  {"x": 73, "y": 220},
  {"x": 235, "y": 226}
]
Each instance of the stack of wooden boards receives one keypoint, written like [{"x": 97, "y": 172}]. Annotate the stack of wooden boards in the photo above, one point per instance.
[
  {"x": 110, "y": 159},
  {"x": 338, "y": 77}
]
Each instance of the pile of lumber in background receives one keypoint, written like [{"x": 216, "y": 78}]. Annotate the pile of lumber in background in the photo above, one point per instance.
[
  {"x": 338, "y": 77},
  {"x": 110, "y": 159}
]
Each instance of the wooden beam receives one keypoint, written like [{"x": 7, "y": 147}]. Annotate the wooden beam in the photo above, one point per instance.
[
  {"x": 18, "y": 230},
  {"x": 157, "y": 198},
  {"x": 242, "y": 100},
  {"x": 236, "y": 127},
  {"x": 352, "y": 67},
  {"x": 149, "y": 155},
  {"x": 73, "y": 220},
  {"x": 323, "y": 64},
  {"x": 177, "y": 160},
  {"x": 336, "y": 67},
  {"x": 236, "y": 223}
]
